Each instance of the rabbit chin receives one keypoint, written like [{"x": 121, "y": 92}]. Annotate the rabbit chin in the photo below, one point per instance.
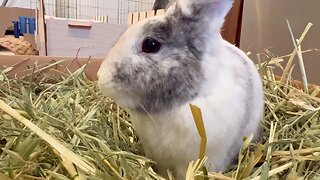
[{"x": 125, "y": 100}]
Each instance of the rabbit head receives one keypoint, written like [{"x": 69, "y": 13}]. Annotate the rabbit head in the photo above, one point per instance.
[{"x": 157, "y": 64}]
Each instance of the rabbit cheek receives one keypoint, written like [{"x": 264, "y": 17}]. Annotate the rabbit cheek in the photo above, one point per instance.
[
  {"x": 157, "y": 87},
  {"x": 170, "y": 92}
]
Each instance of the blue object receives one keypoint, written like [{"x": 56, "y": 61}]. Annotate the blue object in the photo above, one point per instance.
[
  {"x": 32, "y": 25},
  {"x": 16, "y": 29},
  {"x": 23, "y": 24}
]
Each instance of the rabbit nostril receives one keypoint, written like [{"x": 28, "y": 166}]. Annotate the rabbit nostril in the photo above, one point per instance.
[{"x": 151, "y": 45}]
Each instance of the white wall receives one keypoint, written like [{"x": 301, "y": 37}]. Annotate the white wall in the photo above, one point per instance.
[{"x": 18, "y": 3}]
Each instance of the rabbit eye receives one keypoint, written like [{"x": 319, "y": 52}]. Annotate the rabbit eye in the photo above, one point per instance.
[{"x": 151, "y": 45}]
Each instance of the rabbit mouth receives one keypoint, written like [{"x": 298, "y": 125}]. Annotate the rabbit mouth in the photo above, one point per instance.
[
  {"x": 121, "y": 96},
  {"x": 152, "y": 101},
  {"x": 155, "y": 92},
  {"x": 126, "y": 101}
]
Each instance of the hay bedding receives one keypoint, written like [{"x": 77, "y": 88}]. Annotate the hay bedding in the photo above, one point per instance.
[
  {"x": 75, "y": 113},
  {"x": 61, "y": 127}
]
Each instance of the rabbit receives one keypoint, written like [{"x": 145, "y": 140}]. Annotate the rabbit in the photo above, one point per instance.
[{"x": 162, "y": 64}]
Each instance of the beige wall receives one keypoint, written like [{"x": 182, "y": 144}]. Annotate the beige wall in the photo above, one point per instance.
[{"x": 264, "y": 26}]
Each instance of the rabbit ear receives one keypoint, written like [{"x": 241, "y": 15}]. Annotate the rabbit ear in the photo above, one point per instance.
[
  {"x": 211, "y": 12},
  {"x": 190, "y": 7}
]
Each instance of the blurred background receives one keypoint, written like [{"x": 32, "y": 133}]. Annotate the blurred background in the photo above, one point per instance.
[{"x": 264, "y": 27}]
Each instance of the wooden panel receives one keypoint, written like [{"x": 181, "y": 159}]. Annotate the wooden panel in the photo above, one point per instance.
[
  {"x": 142, "y": 15},
  {"x": 103, "y": 19},
  {"x": 150, "y": 13},
  {"x": 130, "y": 18},
  {"x": 65, "y": 41},
  {"x": 41, "y": 30},
  {"x": 135, "y": 17},
  {"x": 232, "y": 27}
]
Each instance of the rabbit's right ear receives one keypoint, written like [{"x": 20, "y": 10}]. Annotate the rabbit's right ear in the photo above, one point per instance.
[{"x": 208, "y": 12}]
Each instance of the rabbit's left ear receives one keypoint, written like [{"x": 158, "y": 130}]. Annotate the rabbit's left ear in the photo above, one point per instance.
[{"x": 208, "y": 11}]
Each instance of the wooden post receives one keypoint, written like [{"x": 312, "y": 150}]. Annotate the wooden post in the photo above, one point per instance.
[
  {"x": 232, "y": 27},
  {"x": 41, "y": 31}
]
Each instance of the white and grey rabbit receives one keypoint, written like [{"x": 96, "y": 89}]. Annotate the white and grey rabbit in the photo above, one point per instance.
[{"x": 162, "y": 64}]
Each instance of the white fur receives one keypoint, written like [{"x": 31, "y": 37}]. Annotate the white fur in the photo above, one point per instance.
[{"x": 171, "y": 138}]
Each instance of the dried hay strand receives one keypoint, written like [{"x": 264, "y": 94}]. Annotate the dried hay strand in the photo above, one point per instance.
[{"x": 62, "y": 127}]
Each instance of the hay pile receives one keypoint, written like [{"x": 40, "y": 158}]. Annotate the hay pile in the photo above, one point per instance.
[
  {"x": 88, "y": 129},
  {"x": 64, "y": 128}
]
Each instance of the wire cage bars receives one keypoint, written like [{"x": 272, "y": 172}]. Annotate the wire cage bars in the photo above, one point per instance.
[{"x": 116, "y": 10}]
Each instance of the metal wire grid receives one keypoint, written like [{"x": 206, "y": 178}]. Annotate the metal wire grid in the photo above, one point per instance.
[{"x": 116, "y": 10}]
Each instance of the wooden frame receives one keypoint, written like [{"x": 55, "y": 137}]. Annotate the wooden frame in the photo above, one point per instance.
[{"x": 232, "y": 26}]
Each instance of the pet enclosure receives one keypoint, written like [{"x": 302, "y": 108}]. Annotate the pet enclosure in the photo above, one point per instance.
[{"x": 116, "y": 10}]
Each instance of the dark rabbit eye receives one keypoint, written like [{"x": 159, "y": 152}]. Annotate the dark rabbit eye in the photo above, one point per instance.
[{"x": 151, "y": 45}]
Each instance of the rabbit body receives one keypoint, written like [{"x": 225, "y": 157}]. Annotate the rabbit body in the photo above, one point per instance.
[
  {"x": 194, "y": 65},
  {"x": 231, "y": 109}
]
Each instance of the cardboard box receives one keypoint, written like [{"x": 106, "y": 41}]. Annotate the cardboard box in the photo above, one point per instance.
[
  {"x": 9, "y": 14},
  {"x": 23, "y": 65}
]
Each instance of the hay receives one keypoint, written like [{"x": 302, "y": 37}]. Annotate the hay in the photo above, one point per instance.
[
  {"x": 64, "y": 121},
  {"x": 62, "y": 127}
]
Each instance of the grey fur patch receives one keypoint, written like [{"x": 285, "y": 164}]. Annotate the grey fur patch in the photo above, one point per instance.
[{"x": 158, "y": 91}]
